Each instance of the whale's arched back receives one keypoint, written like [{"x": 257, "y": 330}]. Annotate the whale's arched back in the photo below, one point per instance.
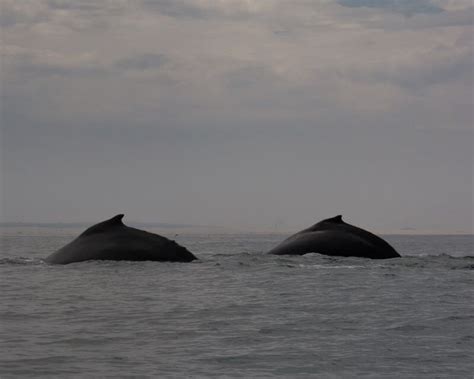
[
  {"x": 333, "y": 236},
  {"x": 113, "y": 240},
  {"x": 103, "y": 226}
]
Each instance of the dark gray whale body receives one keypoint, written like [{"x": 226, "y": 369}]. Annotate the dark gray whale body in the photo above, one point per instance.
[
  {"x": 334, "y": 237},
  {"x": 112, "y": 240}
]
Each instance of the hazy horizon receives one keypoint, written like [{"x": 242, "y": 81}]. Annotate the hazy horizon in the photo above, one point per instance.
[
  {"x": 239, "y": 114},
  {"x": 167, "y": 228}
]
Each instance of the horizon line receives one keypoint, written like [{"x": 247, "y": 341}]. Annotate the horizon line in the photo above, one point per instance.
[{"x": 224, "y": 230}]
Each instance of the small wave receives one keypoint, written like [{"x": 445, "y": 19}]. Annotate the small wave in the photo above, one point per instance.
[
  {"x": 234, "y": 254},
  {"x": 456, "y": 318},
  {"x": 467, "y": 267},
  {"x": 329, "y": 266},
  {"x": 444, "y": 255},
  {"x": 429, "y": 261},
  {"x": 21, "y": 261},
  {"x": 407, "y": 327}
]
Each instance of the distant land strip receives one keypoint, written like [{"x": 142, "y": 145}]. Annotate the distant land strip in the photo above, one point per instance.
[{"x": 84, "y": 224}]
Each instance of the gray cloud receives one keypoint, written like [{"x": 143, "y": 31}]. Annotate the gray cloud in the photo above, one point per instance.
[
  {"x": 23, "y": 65},
  {"x": 428, "y": 69},
  {"x": 250, "y": 76},
  {"x": 177, "y": 8},
  {"x": 406, "y": 7},
  {"x": 27, "y": 69},
  {"x": 90, "y": 6},
  {"x": 68, "y": 14},
  {"x": 147, "y": 61},
  {"x": 448, "y": 18},
  {"x": 196, "y": 9},
  {"x": 14, "y": 13},
  {"x": 197, "y": 112}
]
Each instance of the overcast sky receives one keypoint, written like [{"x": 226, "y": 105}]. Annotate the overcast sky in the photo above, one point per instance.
[{"x": 249, "y": 114}]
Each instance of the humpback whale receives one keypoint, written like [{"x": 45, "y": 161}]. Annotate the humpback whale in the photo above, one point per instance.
[
  {"x": 334, "y": 237},
  {"x": 113, "y": 240}
]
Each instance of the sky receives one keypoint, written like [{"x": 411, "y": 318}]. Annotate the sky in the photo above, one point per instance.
[{"x": 249, "y": 115}]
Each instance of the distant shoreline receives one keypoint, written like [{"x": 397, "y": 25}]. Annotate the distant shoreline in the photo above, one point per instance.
[
  {"x": 209, "y": 229},
  {"x": 83, "y": 224}
]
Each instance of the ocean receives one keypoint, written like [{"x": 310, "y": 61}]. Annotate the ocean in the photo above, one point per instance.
[{"x": 237, "y": 312}]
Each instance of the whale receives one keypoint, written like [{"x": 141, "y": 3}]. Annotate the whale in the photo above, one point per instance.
[
  {"x": 335, "y": 237},
  {"x": 113, "y": 240}
]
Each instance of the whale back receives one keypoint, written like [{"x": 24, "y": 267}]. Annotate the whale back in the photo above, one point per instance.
[
  {"x": 113, "y": 240},
  {"x": 336, "y": 237},
  {"x": 337, "y": 223},
  {"x": 107, "y": 225},
  {"x": 329, "y": 223}
]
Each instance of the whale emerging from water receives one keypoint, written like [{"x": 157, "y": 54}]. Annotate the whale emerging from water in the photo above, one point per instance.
[
  {"x": 113, "y": 240},
  {"x": 334, "y": 237}
]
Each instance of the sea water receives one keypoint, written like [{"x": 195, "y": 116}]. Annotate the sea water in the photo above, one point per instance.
[{"x": 238, "y": 312}]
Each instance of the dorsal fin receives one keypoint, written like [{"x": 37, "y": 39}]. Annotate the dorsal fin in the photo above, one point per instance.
[
  {"x": 324, "y": 224},
  {"x": 104, "y": 225},
  {"x": 335, "y": 220},
  {"x": 116, "y": 220}
]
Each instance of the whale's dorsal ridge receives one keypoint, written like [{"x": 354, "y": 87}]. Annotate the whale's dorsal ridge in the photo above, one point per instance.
[
  {"x": 116, "y": 219},
  {"x": 335, "y": 220},
  {"x": 325, "y": 224},
  {"x": 113, "y": 241},
  {"x": 334, "y": 237},
  {"x": 105, "y": 225}
]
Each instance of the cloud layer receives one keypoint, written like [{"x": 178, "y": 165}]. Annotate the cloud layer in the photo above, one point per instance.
[{"x": 239, "y": 113}]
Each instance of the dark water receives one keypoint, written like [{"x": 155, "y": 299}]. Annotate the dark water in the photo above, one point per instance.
[{"x": 238, "y": 312}]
